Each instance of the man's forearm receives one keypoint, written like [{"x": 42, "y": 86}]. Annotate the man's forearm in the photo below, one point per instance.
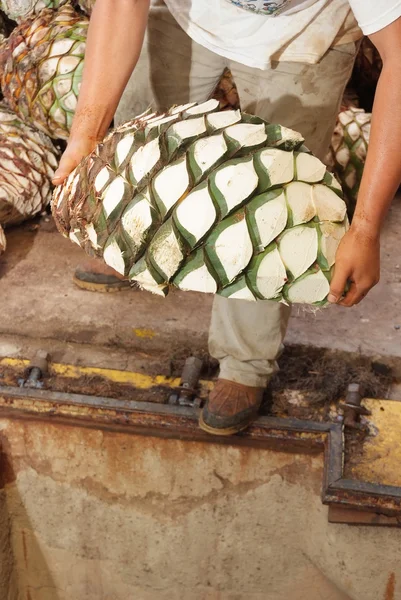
[
  {"x": 382, "y": 173},
  {"x": 114, "y": 44}
]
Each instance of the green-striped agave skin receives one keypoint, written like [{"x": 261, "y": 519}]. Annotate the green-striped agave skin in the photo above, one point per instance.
[
  {"x": 28, "y": 160},
  {"x": 210, "y": 201},
  {"x": 41, "y": 67},
  {"x": 348, "y": 151}
]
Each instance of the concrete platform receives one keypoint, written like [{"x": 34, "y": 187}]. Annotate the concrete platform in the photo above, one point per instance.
[{"x": 41, "y": 307}]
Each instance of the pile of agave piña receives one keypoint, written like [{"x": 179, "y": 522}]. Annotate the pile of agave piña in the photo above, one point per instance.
[
  {"x": 208, "y": 201},
  {"x": 41, "y": 63}
]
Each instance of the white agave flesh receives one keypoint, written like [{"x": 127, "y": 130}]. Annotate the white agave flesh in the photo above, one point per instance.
[
  {"x": 271, "y": 275},
  {"x": 236, "y": 182},
  {"x": 221, "y": 120},
  {"x": 147, "y": 282},
  {"x": 145, "y": 159},
  {"x": 113, "y": 257},
  {"x": 113, "y": 195},
  {"x": 310, "y": 289},
  {"x": 207, "y": 151},
  {"x": 298, "y": 249},
  {"x": 123, "y": 148},
  {"x": 187, "y": 129},
  {"x": 243, "y": 294},
  {"x": 199, "y": 280},
  {"x": 329, "y": 206},
  {"x": 234, "y": 248},
  {"x": 137, "y": 220},
  {"x": 199, "y": 109},
  {"x": 172, "y": 183},
  {"x": 279, "y": 165},
  {"x": 332, "y": 234},
  {"x": 271, "y": 219},
  {"x": 300, "y": 201},
  {"x": 167, "y": 253},
  {"x": 247, "y": 134},
  {"x": 196, "y": 213},
  {"x": 309, "y": 168}
]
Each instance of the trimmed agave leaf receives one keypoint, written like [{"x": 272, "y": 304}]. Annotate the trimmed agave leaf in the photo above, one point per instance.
[
  {"x": 201, "y": 109},
  {"x": 233, "y": 184},
  {"x": 283, "y": 138},
  {"x": 138, "y": 222},
  {"x": 170, "y": 185},
  {"x": 300, "y": 203},
  {"x": 182, "y": 133},
  {"x": 220, "y": 120},
  {"x": 195, "y": 215},
  {"x": 274, "y": 167},
  {"x": 206, "y": 154},
  {"x": 311, "y": 288},
  {"x": 309, "y": 168},
  {"x": 3, "y": 242},
  {"x": 229, "y": 248},
  {"x": 41, "y": 69},
  {"x": 266, "y": 274},
  {"x": 331, "y": 235},
  {"x": 267, "y": 216},
  {"x": 329, "y": 207},
  {"x": 195, "y": 276},
  {"x": 333, "y": 183},
  {"x": 157, "y": 125},
  {"x": 166, "y": 252},
  {"x": 28, "y": 161},
  {"x": 117, "y": 253},
  {"x": 114, "y": 199},
  {"x": 243, "y": 137},
  {"x": 144, "y": 163},
  {"x": 147, "y": 279},
  {"x": 298, "y": 249},
  {"x": 239, "y": 290},
  {"x": 180, "y": 108}
]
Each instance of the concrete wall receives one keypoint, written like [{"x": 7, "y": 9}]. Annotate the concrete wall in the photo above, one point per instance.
[{"x": 91, "y": 515}]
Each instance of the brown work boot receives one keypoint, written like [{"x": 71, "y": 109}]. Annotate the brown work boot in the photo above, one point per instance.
[
  {"x": 94, "y": 275},
  {"x": 231, "y": 407}
]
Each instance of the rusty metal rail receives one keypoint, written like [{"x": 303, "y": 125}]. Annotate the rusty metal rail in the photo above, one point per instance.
[{"x": 180, "y": 422}]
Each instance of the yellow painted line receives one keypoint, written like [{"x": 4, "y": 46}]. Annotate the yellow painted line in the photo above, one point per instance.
[
  {"x": 137, "y": 380},
  {"x": 145, "y": 333}
]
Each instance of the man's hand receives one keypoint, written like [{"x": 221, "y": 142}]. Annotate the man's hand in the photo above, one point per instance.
[
  {"x": 357, "y": 263},
  {"x": 74, "y": 153}
]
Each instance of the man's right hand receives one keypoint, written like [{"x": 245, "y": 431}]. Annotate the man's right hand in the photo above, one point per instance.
[{"x": 74, "y": 153}]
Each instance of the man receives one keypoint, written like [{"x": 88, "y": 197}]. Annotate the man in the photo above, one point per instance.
[{"x": 291, "y": 60}]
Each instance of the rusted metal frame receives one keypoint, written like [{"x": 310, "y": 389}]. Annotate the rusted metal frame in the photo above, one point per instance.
[
  {"x": 153, "y": 419},
  {"x": 159, "y": 420}
]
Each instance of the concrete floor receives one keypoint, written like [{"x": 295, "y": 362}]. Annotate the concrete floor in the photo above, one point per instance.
[{"x": 40, "y": 307}]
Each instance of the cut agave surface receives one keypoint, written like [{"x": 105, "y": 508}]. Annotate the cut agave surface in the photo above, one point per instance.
[{"x": 210, "y": 201}]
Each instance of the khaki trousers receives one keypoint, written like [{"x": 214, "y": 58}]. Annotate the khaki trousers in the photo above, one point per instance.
[{"x": 245, "y": 337}]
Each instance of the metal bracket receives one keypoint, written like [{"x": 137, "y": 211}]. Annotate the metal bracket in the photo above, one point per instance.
[
  {"x": 38, "y": 368},
  {"x": 186, "y": 394}
]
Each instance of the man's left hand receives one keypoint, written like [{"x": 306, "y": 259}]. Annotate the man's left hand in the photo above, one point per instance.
[{"x": 357, "y": 264}]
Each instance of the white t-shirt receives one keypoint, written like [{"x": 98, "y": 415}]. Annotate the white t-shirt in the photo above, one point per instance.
[{"x": 255, "y": 32}]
